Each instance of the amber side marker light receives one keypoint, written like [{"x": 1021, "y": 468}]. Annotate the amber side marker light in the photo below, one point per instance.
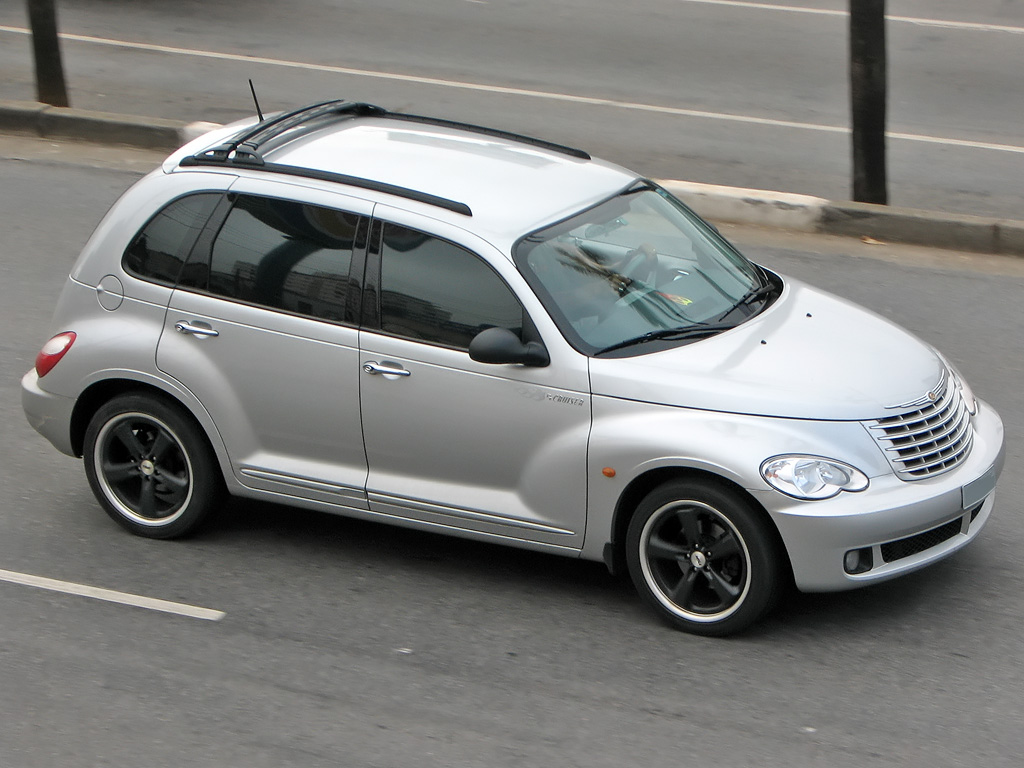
[
  {"x": 608, "y": 472},
  {"x": 53, "y": 351}
]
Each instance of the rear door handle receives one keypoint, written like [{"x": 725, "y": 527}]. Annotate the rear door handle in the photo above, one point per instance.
[
  {"x": 202, "y": 331},
  {"x": 374, "y": 368}
]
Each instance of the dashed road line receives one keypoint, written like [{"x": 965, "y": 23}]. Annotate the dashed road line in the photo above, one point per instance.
[
  {"x": 525, "y": 92},
  {"x": 967, "y": 26},
  {"x": 111, "y": 596}
]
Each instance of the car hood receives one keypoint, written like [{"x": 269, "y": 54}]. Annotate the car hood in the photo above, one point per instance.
[{"x": 810, "y": 355}]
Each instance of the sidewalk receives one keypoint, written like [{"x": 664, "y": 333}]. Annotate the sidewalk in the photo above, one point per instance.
[{"x": 777, "y": 210}]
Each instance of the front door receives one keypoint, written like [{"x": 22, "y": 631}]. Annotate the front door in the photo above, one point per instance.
[{"x": 493, "y": 449}]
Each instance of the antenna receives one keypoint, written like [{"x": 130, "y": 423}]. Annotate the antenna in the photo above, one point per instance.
[{"x": 259, "y": 112}]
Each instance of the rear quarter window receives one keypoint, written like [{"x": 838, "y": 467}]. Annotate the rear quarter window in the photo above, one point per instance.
[{"x": 161, "y": 247}]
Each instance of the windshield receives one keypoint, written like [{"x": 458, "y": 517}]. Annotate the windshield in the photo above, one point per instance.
[{"x": 637, "y": 268}]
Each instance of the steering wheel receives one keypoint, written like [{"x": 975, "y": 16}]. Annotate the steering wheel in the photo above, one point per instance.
[{"x": 640, "y": 264}]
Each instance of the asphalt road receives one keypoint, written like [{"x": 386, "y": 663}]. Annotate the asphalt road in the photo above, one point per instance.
[
  {"x": 349, "y": 643},
  {"x": 750, "y": 94}
]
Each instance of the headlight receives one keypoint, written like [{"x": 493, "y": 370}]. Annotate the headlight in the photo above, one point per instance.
[{"x": 811, "y": 477}]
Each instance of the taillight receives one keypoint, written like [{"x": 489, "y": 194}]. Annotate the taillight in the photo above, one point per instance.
[{"x": 53, "y": 351}]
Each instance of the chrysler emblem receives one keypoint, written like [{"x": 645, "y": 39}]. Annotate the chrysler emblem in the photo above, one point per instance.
[{"x": 930, "y": 397}]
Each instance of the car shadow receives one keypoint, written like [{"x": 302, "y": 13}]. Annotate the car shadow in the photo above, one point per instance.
[
  {"x": 333, "y": 541},
  {"x": 327, "y": 538}
]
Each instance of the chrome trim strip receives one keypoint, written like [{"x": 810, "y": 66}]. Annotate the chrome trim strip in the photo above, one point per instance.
[
  {"x": 304, "y": 482},
  {"x": 414, "y": 505},
  {"x": 362, "y": 513}
]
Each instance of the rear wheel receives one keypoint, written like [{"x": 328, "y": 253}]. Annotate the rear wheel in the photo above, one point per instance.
[
  {"x": 703, "y": 556},
  {"x": 150, "y": 466}
]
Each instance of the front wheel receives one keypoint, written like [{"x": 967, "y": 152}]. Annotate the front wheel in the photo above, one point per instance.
[
  {"x": 703, "y": 557},
  {"x": 150, "y": 466}
]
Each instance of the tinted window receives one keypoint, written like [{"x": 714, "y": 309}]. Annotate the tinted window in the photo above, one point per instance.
[
  {"x": 159, "y": 250},
  {"x": 285, "y": 255},
  {"x": 437, "y": 292}
]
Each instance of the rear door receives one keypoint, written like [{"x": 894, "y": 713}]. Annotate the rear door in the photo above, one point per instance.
[{"x": 263, "y": 329}]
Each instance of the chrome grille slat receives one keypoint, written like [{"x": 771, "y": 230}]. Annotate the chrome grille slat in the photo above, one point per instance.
[
  {"x": 928, "y": 440},
  {"x": 952, "y": 433},
  {"x": 908, "y": 420},
  {"x": 942, "y": 463},
  {"x": 926, "y": 434}
]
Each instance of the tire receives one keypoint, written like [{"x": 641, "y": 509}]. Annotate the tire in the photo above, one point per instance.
[
  {"x": 703, "y": 557},
  {"x": 150, "y": 466}
]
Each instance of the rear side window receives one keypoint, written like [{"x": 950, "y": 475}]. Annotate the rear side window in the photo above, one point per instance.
[
  {"x": 161, "y": 247},
  {"x": 285, "y": 255},
  {"x": 440, "y": 293}
]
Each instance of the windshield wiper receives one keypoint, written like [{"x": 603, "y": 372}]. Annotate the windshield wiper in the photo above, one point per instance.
[
  {"x": 670, "y": 334},
  {"x": 756, "y": 293}
]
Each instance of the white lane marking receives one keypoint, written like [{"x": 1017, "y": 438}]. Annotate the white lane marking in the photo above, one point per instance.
[
  {"x": 968, "y": 26},
  {"x": 508, "y": 91},
  {"x": 954, "y": 142},
  {"x": 769, "y": 7},
  {"x": 110, "y": 596}
]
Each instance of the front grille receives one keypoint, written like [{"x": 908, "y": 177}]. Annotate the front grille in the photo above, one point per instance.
[
  {"x": 897, "y": 550},
  {"x": 930, "y": 440}
]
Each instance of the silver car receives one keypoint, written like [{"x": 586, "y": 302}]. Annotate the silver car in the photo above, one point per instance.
[{"x": 458, "y": 329}]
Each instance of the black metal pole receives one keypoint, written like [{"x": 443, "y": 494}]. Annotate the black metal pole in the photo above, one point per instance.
[
  {"x": 868, "y": 100},
  {"x": 50, "y": 85}
]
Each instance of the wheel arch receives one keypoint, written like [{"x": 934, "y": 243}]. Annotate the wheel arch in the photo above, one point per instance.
[
  {"x": 96, "y": 394},
  {"x": 643, "y": 484}
]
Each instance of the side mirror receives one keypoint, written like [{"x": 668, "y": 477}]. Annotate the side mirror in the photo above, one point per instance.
[{"x": 499, "y": 346}]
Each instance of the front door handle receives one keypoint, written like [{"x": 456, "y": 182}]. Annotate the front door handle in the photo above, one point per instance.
[
  {"x": 201, "y": 331},
  {"x": 374, "y": 368}
]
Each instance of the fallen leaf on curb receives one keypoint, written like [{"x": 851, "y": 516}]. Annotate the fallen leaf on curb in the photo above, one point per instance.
[{"x": 870, "y": 240}]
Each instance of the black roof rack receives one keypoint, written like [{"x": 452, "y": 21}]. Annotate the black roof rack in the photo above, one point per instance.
[
  {"x": 243, "y": 149},
  {"x": 495, "y": 132}
]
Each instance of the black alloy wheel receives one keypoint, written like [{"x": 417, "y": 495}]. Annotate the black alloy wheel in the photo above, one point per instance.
[
  {"x": 150, "y": 467},
  {"x": 704, "y": 557}
]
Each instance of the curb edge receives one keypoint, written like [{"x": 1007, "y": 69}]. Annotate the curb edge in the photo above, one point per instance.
[{"x": 736, "y": 205}]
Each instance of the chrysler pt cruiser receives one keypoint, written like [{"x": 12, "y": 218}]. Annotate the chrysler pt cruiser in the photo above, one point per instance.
[{"x": 460, "y": 329}]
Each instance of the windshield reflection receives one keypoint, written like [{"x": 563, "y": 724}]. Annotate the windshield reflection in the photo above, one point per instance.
[{"x": 636, "y": 266}]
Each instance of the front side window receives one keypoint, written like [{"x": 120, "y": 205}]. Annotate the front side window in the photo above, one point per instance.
[
  {"x": 161, "y": 247},
  {"x": 636, "y": 268},
  {"x": 435, "y": 291},
  {"x": 285, "y": 255}
]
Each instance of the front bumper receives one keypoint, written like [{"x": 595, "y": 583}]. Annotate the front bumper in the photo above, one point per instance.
[
  {"x": 907, "y": 525},
  {"x": 48, "y": 414}
]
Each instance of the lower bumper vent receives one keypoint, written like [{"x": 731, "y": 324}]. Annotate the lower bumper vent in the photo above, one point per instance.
[{"x": 919, "y": 542}]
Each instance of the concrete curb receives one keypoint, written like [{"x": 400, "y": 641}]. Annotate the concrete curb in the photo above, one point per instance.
[
  {"x": 803, "y": 213},
  {"x": 779, "y": 210},
  {"x": 31, "y": 118}
]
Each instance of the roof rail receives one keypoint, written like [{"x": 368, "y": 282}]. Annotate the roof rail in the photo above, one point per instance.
[
  {"x": 495, "y": 132},
  {"x": 245, "y": 146},
  {"x": 206, "y": 159},
  {"x": 243, "y": 149}
]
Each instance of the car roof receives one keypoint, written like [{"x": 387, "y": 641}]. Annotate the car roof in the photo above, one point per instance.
[{"x": 510, "y": 185}]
